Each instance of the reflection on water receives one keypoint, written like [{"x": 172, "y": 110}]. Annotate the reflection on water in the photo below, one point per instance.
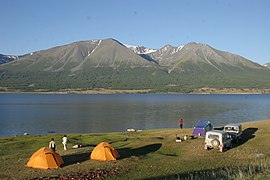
[{"x": 40, "y": 114}]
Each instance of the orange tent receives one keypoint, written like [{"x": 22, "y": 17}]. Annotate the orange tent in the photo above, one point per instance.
[
  {"x": 45, "y": 158},
  {"x": 104, "y": 151}
]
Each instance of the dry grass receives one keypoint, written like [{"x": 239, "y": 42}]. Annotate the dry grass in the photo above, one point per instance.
[{"x": 147, "y": 154}]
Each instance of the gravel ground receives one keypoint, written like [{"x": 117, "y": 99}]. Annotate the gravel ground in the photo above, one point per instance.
[{"x": 98, "y": 174}]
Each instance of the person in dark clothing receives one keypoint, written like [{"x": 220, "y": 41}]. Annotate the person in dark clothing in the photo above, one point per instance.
[{"x": 52, "y": 144}]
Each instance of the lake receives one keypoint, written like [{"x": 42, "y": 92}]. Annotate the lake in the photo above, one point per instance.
[{"x": 43, "y": 113}]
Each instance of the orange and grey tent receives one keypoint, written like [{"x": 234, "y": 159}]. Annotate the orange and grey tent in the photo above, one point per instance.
[
  {"x": 45, "y": 158},
  {"x": 104, "y": 151}
]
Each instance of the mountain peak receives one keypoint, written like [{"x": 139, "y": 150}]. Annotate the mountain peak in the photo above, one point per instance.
[
  {"x": 94, "y": 41},
  {"x": 168, "y": 46},
  {"x": 195, "y": 44},
  {"x": 140, "y": 49},
  {"x": 112, "y": 39}
]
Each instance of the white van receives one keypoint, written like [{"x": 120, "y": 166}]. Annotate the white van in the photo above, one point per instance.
[{"x": 217, "y": 139}]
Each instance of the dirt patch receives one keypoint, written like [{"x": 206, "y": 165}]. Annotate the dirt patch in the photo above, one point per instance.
[{"x": 98, "y": 174}]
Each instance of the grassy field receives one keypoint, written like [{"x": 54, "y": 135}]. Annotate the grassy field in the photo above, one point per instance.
[{"x": 151, "y": 154}]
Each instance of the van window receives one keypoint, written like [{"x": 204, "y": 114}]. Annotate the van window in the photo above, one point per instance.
[{"x": 231, "y": 129}]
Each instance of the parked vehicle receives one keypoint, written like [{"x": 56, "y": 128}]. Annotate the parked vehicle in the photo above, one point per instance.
[
  {"x": 235, "y": 130},
  {"x": 218, "y": 140}
]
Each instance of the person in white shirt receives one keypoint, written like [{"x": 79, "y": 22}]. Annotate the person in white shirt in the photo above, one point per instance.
[
  {"x": 64, "y": 142},
  {"x": 52, "y": 144}
]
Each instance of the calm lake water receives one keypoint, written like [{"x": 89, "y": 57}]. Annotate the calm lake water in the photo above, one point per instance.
[{"x": 42, "y": 114}]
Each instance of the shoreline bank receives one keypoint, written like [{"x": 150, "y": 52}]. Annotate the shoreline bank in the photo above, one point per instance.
[{"x": 147, "y": 91}]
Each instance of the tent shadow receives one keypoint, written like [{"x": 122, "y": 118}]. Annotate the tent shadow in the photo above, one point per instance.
[
  {"x": 75, "y": 158},
  {"x": 247, "y": 134},
  {"x": 141, "y": 151}
]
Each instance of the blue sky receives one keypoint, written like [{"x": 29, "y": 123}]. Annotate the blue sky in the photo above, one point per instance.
[{"x": 238, "y": 26}]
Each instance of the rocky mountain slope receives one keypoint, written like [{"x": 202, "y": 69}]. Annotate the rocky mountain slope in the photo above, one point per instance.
[
  {"x": 175, "y": 58},
  {"x": 110, "y": 64},
  {"x": 79, "y": 55}
]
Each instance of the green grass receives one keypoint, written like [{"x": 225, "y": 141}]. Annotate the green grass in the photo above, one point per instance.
[{"x": 149, "y": 154}]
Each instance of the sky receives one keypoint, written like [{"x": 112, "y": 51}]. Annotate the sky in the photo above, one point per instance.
[{"x": 237, "y": 26}]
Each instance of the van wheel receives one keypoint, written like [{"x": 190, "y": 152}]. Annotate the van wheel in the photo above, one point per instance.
[{"x": 215, "y": 143}]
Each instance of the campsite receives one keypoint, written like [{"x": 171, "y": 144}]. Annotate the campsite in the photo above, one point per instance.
[{"x": 146, "y": 154}]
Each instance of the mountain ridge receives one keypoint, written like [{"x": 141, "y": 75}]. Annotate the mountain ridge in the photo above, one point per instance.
[
  {"x": 140, "y": 50},
  {"x": 108, "y": 63}
]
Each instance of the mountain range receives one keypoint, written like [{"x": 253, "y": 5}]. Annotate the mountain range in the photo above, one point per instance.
[{"x": 110, "y": 64}]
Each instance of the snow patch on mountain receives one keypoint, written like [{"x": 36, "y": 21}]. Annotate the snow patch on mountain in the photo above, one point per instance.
[
  {"x": 179, "y": 48},
  {"x": 267, "y": 65},
  {"x": 97, "y": 43},
  {"x": 140, "y": 49}
]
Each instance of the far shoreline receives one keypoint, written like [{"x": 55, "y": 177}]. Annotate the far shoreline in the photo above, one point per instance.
[{"x": 205, "y": 90}]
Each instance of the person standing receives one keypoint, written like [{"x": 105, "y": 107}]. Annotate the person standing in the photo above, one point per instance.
[
  {"x": 181, "y": 123},
  {"x": 52, "y": 144},
  {"x": 64, "y": 142}
]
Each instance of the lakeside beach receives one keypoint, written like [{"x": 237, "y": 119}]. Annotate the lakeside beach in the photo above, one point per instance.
[{"x": 146, "y": 154}]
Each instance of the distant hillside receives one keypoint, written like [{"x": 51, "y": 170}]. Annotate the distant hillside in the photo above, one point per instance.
[
  {"x": 110, "y": 64},
  {"x": 7, "y": 58}
]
